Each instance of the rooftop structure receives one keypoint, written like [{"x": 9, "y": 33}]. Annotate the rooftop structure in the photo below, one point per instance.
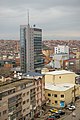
[
  {"x": 58, "y": 87},
  {"x": 14, "y": 84},
  {"x": 59, "y": 72},
  {"x": 21, "y": 99}
]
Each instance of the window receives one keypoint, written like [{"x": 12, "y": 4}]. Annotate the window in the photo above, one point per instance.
[
  {"x": 49, "y": 101},
  {"x": 24, "y": 102},
  {"x": 38, "y": 89},
  {"x": 27, "y": 100},
  {"x": 62, "y": 96},
  {"x": 28, "y": 93},
  {"x": 55, "y": 95},
  {"x": 37, "y": 101},
  {"x": 60, "y": 77},
  {"x": 4, "y": 112},
  {"x": 56, "y": 102},
  {"x": 23, "y": 94},
  {"x": 17, "y": 105},
  {"x": 49, "y": 94},
  {"x": 37, "y": 82},
  {"x": 28, "y": 108},
  {"x": 24, "y": 110}
]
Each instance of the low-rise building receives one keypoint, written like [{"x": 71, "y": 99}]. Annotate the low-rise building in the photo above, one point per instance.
[
  {"x": 39, "y": 83},
  {"x": 60, "y": 76},
  {"x": 19, "y": 99},
  {"x": 15, "y": 100},
  {"x": 72, "y": 64},
  {"x": 60, "y": 95},
  {"x": 59, "y": 58},
  {"x": 61, "y": 49}
]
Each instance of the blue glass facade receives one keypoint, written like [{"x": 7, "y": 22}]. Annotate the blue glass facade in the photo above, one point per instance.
[{"x": 23, "y": 48}]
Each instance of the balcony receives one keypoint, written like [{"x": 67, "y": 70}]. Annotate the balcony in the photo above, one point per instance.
[
  {"x": 32, "y": 94},
  {"x": 15, "y": 102},
  {"x": 17, "y": 109}
]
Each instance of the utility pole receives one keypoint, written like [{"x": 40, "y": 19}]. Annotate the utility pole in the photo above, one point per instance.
[{"x": 74, "y": 95}]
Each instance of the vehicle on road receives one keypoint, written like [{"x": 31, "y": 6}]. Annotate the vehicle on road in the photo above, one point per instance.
[
  {"x": 51, "y": 117},
  {"x": 61, "y": 112},
  {"x": 57, "y": 115},
  {"x": 71, "y": 107},
  {"x": 53, "y": 110}
]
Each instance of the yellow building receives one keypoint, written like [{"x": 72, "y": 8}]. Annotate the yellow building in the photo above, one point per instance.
[
  {"x": 60, "y": 95},
  {"x": 77, "y": 54},
  {"x": 60, "y": 76}
]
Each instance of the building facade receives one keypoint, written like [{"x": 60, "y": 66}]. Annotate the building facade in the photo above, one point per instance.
[
  {"x": 60, "y": 76},
  {"x": 21, "y": 99},
  {"x": 60, "y": 95},
  {"x": 59, "y": 58},
  {"x": 39, "y": 83},
  {"x": 72, "y": 64},
  {"x": 61, "y": 88},
  {"x": 61, "y": 49},
  {"x": 30, "y": 48},
  {"x": 15, "y": 100}
]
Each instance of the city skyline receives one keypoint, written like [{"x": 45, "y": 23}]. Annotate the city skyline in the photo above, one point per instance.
[{"x": 59, "y": 19}]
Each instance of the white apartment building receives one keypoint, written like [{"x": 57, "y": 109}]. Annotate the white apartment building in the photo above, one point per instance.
[{"x": 61, "y": 49}]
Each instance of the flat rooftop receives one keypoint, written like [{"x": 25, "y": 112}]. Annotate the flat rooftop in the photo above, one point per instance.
[
  {"x": 14, "y": 84},
  {"x": 58, "y": 87},
  {"x": 58, "y": 72}
]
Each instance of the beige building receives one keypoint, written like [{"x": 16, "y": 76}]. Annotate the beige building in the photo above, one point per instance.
[
  {"x": 39, "y": 82},
  {"x": 77, "y": 54},
  {"x": 59, "y": 77},
  {"x": 60, "y": 95},
  {"x": 20, "y": 99},
  {"x": 15, "y": 100},
  {"x": 60, "y": 88}
]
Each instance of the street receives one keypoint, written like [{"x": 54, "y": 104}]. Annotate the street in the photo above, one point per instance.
[{"x": 69, "y": 115}]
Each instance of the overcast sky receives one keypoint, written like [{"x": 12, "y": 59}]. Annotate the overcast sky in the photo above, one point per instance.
[{"x": 59, "y": 19}]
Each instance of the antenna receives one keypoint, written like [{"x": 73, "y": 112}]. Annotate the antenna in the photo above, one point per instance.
[{"x": 28, "y": 16}]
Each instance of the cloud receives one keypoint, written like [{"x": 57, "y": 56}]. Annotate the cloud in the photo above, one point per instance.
[{"x": 53, "y": 16}]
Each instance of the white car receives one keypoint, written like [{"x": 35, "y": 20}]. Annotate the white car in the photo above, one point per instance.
[{"x": 72, "y": 107}]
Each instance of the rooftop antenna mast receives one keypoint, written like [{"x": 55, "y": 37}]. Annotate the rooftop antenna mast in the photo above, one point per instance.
[{"x": 28, "y": 16}]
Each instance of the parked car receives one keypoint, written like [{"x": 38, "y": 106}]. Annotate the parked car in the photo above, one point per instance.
[
  {"x": 57, "y": 115},
  {"x": 61, "y": 112},
  {"x": 53, "y": 110},
  {"x": 72, "y": 107},
  {"x": 51, "y": 117}
]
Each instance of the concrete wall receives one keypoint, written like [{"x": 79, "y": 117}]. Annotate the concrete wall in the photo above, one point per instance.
[
  {"x": 49, "y": 78},
  {"x": 68, "y": 96},
  {"x": 63, "y": 78}
]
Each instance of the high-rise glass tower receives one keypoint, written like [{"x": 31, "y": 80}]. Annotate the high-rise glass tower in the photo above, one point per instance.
[{"x": 30, "y": 48}]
